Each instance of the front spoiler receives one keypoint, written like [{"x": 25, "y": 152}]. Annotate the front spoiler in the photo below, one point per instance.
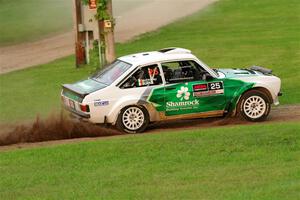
[{"x": 276, "y": 100}]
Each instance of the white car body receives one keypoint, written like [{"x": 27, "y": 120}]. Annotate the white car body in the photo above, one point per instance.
[{"x": 106, "y": 103}]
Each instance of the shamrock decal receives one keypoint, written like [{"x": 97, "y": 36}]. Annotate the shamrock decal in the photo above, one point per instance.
[{"x": 183, "y": 93}]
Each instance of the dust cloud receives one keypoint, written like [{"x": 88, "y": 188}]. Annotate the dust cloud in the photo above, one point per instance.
[{"x": 54, "y": 127}]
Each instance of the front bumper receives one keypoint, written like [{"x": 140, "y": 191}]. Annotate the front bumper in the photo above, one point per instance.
[{"x": 276, "y": 100}]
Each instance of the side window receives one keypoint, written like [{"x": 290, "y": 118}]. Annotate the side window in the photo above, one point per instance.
[
  {"x": 144, "y": 76},
  {"x": 182, "y": 71}
]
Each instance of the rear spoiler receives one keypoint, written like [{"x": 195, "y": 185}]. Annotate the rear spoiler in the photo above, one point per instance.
[
  {"x": 261, "y": 69},
  {"x": 71, "y": 88}
]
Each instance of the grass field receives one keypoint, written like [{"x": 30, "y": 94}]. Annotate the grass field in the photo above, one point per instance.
[
  {"x": 36, "y": 90},
  {"x": 27, "y": 20},
  {"x": 257, "y": 162},
  {"x": 230, "y": 33}
]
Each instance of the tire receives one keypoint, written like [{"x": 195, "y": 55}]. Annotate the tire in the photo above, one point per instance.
[
  {"x": 133, "y": 119},
  {"x": 254, "y": 106}
]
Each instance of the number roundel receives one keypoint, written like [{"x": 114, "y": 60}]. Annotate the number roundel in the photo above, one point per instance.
[{"x": 215, "y": 86}]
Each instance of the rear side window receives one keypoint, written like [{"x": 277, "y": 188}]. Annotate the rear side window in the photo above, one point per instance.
[
  {"x": 144, "y": 76},
  {"x": 111, "y": 73}
]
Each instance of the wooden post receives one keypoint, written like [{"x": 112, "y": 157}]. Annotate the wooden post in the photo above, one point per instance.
[
  {"x": 102, "y": 56},
  {"x": 79, "y": 35},
  {"x": 106, "y": 30},
  {"x": 109, "y": 36},
  {"x": 106, "y": 34}
]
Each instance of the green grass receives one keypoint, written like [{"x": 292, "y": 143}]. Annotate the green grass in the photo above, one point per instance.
[
  {"x": 27, "y": 20},
  {"x": 230, "y": 33},
  {"x": 253, "y": 162},
  {"x": 26, "y": 93}
]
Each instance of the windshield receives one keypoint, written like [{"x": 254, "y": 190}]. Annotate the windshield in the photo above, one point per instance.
[
  {"x": 209, "y": 69},
  {"x": 111, "y": 72}
]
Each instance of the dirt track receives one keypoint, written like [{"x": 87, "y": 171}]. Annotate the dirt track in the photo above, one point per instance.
[
  {"x": 63, "y": 131},
  {"x": 145, "y": 18}
]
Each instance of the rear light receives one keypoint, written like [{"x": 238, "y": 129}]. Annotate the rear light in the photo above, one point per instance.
[{"x": 85, "y": 108}]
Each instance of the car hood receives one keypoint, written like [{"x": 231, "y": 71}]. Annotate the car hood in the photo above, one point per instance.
[
  {"x": 237, "y": 73},
  {"x": 84, "y": 87}
]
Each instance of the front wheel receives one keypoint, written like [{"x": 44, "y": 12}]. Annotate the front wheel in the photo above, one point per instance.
[
  {"x": 254, "y": 106},
  {"x": 133, "y": 119}
]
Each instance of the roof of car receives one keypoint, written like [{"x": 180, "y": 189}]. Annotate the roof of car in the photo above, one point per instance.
[{"x": 162, "y": 55}]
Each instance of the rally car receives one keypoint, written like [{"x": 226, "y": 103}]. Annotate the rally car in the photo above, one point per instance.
[{"x": 167, "y": 84}]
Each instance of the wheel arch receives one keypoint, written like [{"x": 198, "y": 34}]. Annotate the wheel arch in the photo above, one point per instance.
[
  {"x": 257, "y": 88},
  {"x": 113, "y": 115},
  {"x": 263, "y": 90}
]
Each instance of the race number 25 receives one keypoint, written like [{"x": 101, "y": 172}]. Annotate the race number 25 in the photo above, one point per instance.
[{"x": 215, "y": 86}]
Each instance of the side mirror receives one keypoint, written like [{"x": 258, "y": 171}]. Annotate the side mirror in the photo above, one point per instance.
[{"x": 207, "y": 77}]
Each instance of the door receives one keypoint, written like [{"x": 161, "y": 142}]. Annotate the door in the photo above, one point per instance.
[{"x": 187, "y": 92}]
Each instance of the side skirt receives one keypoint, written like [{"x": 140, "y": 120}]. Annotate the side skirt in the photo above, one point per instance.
[{"x": 216, "y": 113}]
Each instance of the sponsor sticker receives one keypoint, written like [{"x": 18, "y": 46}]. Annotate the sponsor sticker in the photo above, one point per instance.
[
  {"x": 202, "y": 90},
  {"x": 101, "y": 103},
  {"x": 182, "y": 105},
  {"x": 183, "y": 94},
  {"x": 143, "y": 82},
  {"x": 200, "y": 87},
  {"x": 207, "y": 93},
  {"x": 184, "y": 102}
]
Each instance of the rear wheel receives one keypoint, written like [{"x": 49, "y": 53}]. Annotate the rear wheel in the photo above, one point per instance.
[
  {"x": 133, "y": 119},
  {"x": 255, "y": 106}
]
